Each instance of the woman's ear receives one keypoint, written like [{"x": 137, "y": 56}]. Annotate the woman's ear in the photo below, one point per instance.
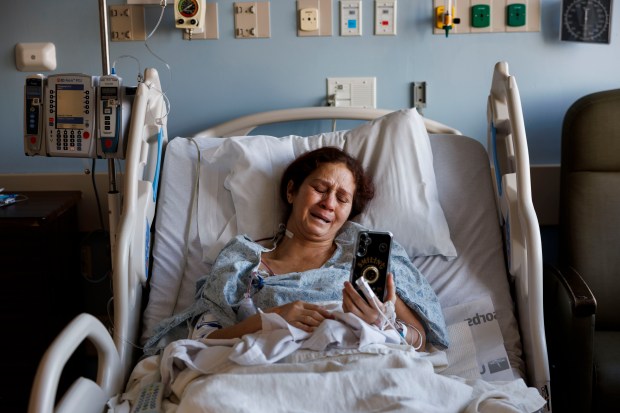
[{"x": 289, "y": 192}]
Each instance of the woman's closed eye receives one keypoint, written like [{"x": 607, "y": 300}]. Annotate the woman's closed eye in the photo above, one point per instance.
[{"x": 341, "y": 196}]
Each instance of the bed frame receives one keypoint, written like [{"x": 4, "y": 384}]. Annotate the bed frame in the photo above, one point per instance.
[{"x": 508, "y": 157}]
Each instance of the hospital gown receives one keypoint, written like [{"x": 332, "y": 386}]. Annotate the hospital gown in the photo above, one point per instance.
[{"x": 233, "y": 277}]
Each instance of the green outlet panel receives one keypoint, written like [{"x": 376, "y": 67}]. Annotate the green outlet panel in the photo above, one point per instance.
[
  {"x": 516, "y": 15},
  {"x": 480, "y": 15}
]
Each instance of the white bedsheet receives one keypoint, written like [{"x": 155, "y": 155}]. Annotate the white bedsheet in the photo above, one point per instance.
[{"x": 345, "y": 367}]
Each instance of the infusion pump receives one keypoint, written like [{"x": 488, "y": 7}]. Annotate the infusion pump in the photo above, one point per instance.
[{"x": 76, "y": 115}]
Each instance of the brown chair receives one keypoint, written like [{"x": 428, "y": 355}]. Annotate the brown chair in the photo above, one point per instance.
[{"x": 582, "y": 297}]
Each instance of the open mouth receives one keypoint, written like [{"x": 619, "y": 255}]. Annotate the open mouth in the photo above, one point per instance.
[{"x": 321, "y": 218}]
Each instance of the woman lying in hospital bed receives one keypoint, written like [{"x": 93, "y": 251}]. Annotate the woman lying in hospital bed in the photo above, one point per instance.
[
  {"x": 309, "y": 262},
  {"x": 302, "y": 352}
]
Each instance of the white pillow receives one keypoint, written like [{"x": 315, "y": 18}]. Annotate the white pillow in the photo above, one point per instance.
[
  {"x": 395, "y": 149},
  {"x": 256, "y": 166}
]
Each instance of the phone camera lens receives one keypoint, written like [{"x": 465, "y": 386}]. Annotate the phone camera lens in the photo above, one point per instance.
[{"x": 383, "y": 247}]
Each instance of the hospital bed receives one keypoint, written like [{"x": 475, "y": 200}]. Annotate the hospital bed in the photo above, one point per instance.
[{"x": 482, "y": 253}]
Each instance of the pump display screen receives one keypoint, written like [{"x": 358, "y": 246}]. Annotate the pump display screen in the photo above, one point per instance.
[
  {"x": 108, "y": 91},
  {"x": 70, "y": 106}
]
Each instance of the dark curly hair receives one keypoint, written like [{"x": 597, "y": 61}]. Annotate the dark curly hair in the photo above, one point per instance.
[{"x": 307, "y": 163}]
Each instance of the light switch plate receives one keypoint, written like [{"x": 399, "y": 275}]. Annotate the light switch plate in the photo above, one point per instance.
[{"x": 35, "y": 57}]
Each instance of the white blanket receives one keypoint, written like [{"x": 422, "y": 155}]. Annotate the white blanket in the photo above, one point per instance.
[{"x": 346, "y": 366}]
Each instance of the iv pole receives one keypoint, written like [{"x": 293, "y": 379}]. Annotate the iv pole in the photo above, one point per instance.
[{"x": 114, "y": 197}]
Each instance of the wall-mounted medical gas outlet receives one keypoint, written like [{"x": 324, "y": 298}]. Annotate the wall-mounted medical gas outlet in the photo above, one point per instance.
[
  {"x": 480, "y": 16},
  {"x": 355, "y": 92},
  {"x": 211, "y": 30},
  {"x": 350, "y": 17},
  {"x": 489, "y": 16},
  {"x": 252, "y": 20},
  {"x": 314, "y": 18},
  {"x": 127, "y": 23},
  {"x": 385, "y": 17},
  {"x": 522, "y": 15},
  {"x": 189, "y": 15}
]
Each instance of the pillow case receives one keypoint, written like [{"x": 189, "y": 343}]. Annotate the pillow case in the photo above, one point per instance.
[{"x": 394, "y": 149}]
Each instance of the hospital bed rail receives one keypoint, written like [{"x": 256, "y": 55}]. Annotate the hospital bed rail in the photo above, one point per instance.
[
  {"x": 244, "y": 125},
  {"x": 509, "y": 158},
  {"x": 145, "y": 146}
]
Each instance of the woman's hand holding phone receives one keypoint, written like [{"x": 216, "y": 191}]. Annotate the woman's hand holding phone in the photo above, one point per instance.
[{"x": 353, "y": 302}]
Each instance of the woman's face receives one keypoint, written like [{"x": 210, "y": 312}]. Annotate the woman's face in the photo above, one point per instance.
[{"x": 322, "y": 203}]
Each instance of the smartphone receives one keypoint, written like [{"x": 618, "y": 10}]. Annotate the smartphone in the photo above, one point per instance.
[{"x": 372, "y": 261}]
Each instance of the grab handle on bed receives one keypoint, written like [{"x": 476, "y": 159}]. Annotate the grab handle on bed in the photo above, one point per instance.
[{"x": 84, "y": 326}]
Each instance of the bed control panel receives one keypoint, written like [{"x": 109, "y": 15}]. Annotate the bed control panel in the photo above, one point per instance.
[
  {"x": 69, "y": 111},
  {"x": 149, "y": 399}
]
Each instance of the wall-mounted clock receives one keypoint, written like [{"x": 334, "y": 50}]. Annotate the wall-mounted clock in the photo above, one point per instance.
[{"x": 586, "y": 21}]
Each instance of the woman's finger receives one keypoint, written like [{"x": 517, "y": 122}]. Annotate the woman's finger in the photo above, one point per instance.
[
  {"x": 318, "y": 309},
  {"x": 356, "y": 299},
  {"x": 390, "y": 288}
]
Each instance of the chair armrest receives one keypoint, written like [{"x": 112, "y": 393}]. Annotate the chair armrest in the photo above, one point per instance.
[
  {"x": 581, "y": 298},
  {"x": 570, "y": 309}
]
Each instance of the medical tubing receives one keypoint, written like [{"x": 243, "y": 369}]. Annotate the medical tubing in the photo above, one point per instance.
[
  {"x": 377, "y": 307},
  {"x": 161, "y": 15},
  {"x": 127, "y": 56},
  {"x": 404, "y": 334},
  {"x": 163, "y": 7}
]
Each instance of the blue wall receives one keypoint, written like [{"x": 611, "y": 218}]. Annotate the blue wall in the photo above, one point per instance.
[{"x": 214, "y": 80}]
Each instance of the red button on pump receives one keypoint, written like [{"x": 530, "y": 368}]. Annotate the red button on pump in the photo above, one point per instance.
[
  {"x": 33, "y": 140},
  {"x": 86, "y": 135},
  {"x": 108, "y": 143}
]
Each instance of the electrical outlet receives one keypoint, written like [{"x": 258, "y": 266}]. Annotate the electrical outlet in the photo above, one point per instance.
[
  {"x": 252, "y": 20},
  {"x": 126, "y": 23},
  {"x": 314, "y": 18}
]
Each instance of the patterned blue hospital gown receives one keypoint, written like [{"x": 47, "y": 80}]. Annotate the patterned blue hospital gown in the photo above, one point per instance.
[{"x": 220, "y": 292}]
